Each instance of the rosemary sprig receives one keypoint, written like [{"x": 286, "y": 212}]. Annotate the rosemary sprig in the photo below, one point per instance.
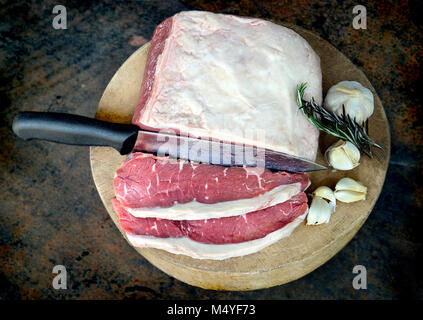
[{"x": 342, "y": 126}]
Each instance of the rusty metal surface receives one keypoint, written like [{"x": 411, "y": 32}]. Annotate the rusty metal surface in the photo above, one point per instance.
[{"x": 51, "y": 213}]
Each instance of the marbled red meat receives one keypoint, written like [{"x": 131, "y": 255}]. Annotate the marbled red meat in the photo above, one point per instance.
[
  {"x": 144, "y": 180},
  {"x": 246, "y": 227}
]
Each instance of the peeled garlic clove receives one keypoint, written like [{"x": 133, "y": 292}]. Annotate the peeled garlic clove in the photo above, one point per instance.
[
  {"x": 327, "y": 194},
  {"x": 348, "y": 196},
  {"x": 319, "y": 211},
  {"x": 343, "y": 155},
  {"x": 348, "y": 190},
  {"x": 353, "y": 153},
  {"x": 357, "y": 100},
  {"x": 350, "y": 184}
]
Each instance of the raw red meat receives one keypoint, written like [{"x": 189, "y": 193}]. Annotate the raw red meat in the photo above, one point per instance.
[
  {"x": 230, "y": 78},
  {"x": 156, "y": 47},
  {"x": 250, "y": 226},
  {"x": 144, "y": 180}
]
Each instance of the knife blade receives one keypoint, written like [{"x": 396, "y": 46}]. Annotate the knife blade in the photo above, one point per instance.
[
  {"x": 125, "y": 138},
  {"x": 220, "y": 152}
]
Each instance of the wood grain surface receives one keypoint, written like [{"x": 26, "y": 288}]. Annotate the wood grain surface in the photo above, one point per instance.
[{"x": 308, "y": 247}]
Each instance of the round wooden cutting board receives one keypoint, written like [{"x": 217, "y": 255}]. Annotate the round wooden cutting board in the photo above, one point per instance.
[{"x": 308, "y": 247}]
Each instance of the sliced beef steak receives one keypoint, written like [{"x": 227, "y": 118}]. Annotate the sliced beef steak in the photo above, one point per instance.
[
  {"x": 145, "y": 180},
  {"x": 199, "y": 250},
  {"x": 247, "y": 227}
]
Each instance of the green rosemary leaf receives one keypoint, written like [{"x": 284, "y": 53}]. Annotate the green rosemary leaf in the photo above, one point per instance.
[{"x": 342, "y": 127}]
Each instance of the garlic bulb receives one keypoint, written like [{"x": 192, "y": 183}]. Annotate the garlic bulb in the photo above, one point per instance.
[
  {"x": 348, "y": 190},
  {"x": 343, "y": 155},
  {"x": 357, "y": 100},
  {"x": 320, "y": 209}
]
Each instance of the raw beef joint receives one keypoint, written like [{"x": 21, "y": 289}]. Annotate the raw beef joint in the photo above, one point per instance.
[{"x": 232, "y": 79}]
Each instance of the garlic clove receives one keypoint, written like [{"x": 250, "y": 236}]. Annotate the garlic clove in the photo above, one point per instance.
[
  {"x": 319, "y": 211},
  {"x": 348, "y": 190},
  {"x": 348, "y": 196},
  {"x": 343, "y": 155},
  {"x": 327, "y": 194},
  {"x": 339, "y": 160},
  {"x": 352, "y": 152},
  {"x": 350, "y": 184}
]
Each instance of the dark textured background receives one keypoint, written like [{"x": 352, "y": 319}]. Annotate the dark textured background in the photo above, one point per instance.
[{"x": 51, "y": 213}]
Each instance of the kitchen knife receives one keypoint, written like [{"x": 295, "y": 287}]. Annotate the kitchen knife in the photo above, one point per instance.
[{"x": 125, "y": 138}]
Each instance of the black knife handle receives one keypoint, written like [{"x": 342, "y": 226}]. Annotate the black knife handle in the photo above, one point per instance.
[{"x": 76, "y": 130}]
